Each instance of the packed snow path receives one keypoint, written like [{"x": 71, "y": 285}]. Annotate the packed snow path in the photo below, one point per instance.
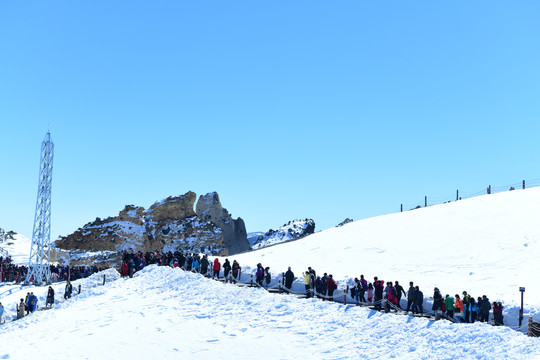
[{"x": 167, "y": 313}]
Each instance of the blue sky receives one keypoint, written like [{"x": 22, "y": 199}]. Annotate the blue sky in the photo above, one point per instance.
[{"x": 288, "y": 109}]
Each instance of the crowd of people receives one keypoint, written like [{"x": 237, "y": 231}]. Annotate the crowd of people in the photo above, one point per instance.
[
  {"x": 381, "y": 296},
  {"x": 377, "y": 294}
]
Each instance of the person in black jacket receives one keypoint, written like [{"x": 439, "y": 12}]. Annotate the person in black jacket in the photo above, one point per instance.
[
  {"x": 437, "y": 303},
  {"x": 226, "y": 269},
  {"x": 399, "y": 291},
  {"x": 50, "y": 297},
  {"x": 204, "y": 264},
  {"x": 418, "y": 305},
  {"x": 289, "y": 278},
  {"x": 484, "y": 306},
  {"x": 410, "y": 296},
  {"x": 379, "y": 289}
]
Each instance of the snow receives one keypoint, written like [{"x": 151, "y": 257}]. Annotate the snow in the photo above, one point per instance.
[
  {"x": 18, "y": 248},
  {"x": 292, "y": 230},
  {"x": 488, "y": 245},
  {"x": 166, "y": 313}
]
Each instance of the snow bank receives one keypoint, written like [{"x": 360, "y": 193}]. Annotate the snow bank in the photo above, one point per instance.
[{"x": 167, "y": 313}]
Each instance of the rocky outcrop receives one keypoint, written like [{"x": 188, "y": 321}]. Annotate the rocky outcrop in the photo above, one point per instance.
[
  {"x": 344, "y": 222},
  {"x": 293, "y": 230},
  {"x": 168, "y": 225},
  {"x": 234, "y": 230}
]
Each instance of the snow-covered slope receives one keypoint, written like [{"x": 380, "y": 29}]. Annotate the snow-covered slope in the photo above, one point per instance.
[
  {"x": 165, "y": 313},
  {"x": 485, "y": 245},
  {"x": 17, "y": 247},
  {"x": 293, "y": 230}
]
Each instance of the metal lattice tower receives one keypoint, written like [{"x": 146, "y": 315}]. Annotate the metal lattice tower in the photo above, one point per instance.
[{"x": 39, "y": 271}]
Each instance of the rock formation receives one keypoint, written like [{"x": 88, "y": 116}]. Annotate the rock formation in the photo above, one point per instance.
[
  {"x": 293, "y": 230},
  {"x": 168, "y": 225},
  {"x": 234, "y": 231}
]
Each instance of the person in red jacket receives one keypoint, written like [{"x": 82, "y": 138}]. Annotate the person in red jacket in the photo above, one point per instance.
[
  {"x": 124, "y": 269},
  {"x": 216, "y": 268},
  {"x": 330, "y": 287}
]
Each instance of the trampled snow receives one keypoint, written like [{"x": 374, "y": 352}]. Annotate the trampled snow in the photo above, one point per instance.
[{"x": 166, "y": 313}]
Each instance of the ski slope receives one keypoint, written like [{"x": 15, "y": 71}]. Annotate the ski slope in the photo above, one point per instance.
[
  {"x": 488, "y": 245},
  {"x": 165, "y": 313}
]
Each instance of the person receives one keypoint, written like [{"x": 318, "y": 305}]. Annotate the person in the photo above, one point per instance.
[
  {"x": 259, "y": 274},
  {"x": 459, "y": 315},
  {"x": 370, "y": 293},
  {"x": 124, "y": 269},
  {"x": 437, "y": 303},
  {"x": 362, "y": 288},
  {"x": 216, "y": 268},
  {"x": 324, "y": 290},
  {"x": 33, "y": 302},
  {"x": 27, "y": 303},
  {"x": 484, "y": 307},
  {"x": 390, "y": 292},
  {"x": 473, "y": 309},
  {"x": 466, "y": 300},
  {"x": 378, "y": 285},
  {"x": 195, "y": 265},
  {"x": 20, "y": 309},
  {"x": 330, "y": 287},
  {"x": 226, "y": 269},
  {"x": 354, "y": 290},
  {"x": 418, "y": 302},
  {"x": 399, "y": 291},
  {"x": 1, "y": 312},
  {"x": 267, "y": 277},
  {"x": 318, "y": 286},
  {"x": 289, "y": 278},
  {"x": 68, "y": 291},
  {"x": 410, "y": 296},
  {"x": 236, "y": 270},
  {"x": 204, "y": 264},
  {"x": 307, "y": 283},
  {"x": 449, "y": 303},
  {"x": 497, "y": 313}
]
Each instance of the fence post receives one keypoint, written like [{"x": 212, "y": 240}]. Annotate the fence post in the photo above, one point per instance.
[
  {"x": 425, "y": 201},
  {"x": 489, "y": 189},
  {"x": 529, "y": 332},
  {"x": 457, "y": 195},
  {"x": 251, "y": 280},
  {"x": 345, "y": 296},
  {"x": 103, "y": 279},
  {"x": 279, "y": 282},
  {"x": 523, "y": 184},
  {"x": 401, "y": 207},
  {"x": 79, "y": 288}
]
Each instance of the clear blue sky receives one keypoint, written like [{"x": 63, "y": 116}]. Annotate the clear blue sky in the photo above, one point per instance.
[{"x": 288, "y": 109}]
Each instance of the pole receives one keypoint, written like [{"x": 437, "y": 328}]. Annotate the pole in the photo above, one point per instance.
[
  {"x": 251, "y": 280},
  {"x": 425, "y": 201},
  {"x": 457, "y": 195},
  {"x": 529, "y": 330},
  {"x": 523, "y": 184},
  {"x": 103, "y": 279},
  {"x": 401, "y": 207},
  {"x": 279, "y": 282},
  {"x": 522, "y": 290}
]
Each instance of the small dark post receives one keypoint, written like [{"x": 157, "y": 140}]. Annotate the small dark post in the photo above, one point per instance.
[
  {"x": 523, "y": 184},
  {"x": 425, "y": 201},
  {"x": 457, "y": 195},
  {"x": 345, "y": 296},
  {"x": 489, "y": 189},
  {"x": 279, "y": 282},
  {"x": 79, "y": 288},
  {"x": 103, "y": 279},
  {"x": 251, "y": 280},
  {"x": 529, "y": 331},
  {"x": 401, "y": 207},
  {"x": 522, "y": 289}
]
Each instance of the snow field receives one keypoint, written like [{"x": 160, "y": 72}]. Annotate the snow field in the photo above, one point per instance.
[{"x": 167, "y": 313}]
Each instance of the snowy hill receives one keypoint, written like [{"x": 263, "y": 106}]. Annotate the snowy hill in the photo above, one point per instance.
[
  {"x": 165, "y": 313},
  {"x": 17, "y": 246},
  {"x": 485, "y": 245},
  {"x": 293, "y": 230}
]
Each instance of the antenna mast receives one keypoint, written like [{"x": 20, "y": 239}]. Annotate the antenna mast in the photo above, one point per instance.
[{"x": 39, "y": 271}]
